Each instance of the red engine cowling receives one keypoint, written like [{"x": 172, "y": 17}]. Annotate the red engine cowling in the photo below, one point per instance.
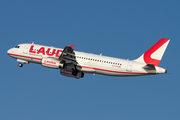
[
  {"x": 51, "y": 63},
  {"x": 71, "y": 73}
]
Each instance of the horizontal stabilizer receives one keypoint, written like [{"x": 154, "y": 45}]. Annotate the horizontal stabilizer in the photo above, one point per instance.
[{"x": 149, "y": 67}]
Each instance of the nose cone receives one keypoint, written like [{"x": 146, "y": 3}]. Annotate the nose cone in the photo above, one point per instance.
[{"x": 9, "y": 51}]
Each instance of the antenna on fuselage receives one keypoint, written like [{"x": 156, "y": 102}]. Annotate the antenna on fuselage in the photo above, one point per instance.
[{"x": 32, "y": 42}]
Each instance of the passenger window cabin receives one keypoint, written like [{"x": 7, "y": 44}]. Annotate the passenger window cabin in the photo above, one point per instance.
[{"x": 96, "y": 60}]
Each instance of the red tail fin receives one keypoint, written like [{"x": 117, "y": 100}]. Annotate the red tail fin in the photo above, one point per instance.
[{"x": 155, "y": 53}]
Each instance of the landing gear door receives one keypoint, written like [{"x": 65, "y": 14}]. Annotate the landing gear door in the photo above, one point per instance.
[
  {"x": 26, "y": 48},
  {"x": 129, "y": 67}
]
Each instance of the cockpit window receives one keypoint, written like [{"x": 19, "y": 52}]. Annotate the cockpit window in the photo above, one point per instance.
[{"x": 17, "y": 46}]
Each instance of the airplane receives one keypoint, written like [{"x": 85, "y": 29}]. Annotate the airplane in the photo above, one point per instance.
[{"x": 74, "y": 64}]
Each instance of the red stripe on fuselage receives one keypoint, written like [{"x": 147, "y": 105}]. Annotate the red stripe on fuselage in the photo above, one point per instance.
[
  {"x": 115, "y": 71},
  {"x": 24, "y": 56},
  {"x": 86, "y": 66}
]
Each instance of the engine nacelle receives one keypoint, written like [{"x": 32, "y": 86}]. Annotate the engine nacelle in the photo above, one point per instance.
[
  {"x": 71, "y": 73},
  {"x": 51, "y": 63}
]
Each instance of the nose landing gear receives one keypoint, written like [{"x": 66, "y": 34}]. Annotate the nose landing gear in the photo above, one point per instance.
[{"x": 20, "y": 64}]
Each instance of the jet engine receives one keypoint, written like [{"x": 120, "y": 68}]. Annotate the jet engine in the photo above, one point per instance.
[
  {"x": 72, "y": 73},
  {"x": 51, "y": 63}
]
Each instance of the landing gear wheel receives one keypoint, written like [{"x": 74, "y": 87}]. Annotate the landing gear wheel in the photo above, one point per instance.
[
  {"x": 20, "y": 64},
  {"x": 82, "y": 75}
]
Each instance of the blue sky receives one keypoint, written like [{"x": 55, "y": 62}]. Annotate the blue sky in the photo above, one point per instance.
[{"x": 117, "y": 28}]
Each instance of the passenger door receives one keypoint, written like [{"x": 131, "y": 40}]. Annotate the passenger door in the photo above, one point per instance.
[
  {"x": 26, "y": 48},
  {"x": 129, "y": 66}
]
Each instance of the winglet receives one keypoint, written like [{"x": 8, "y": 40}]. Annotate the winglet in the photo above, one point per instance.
[
  {"x": 72, "y": 46},
  {"x": 155, "y": 53}
]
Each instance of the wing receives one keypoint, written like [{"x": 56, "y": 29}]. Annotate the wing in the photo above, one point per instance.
[
  {"x": 68, "y": 55},
  {"x": 68, "y": 58}
]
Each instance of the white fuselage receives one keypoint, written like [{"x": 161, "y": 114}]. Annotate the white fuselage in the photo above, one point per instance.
[{"x": 90, "y": 63}]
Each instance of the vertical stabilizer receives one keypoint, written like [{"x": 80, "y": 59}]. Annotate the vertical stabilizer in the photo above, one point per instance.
[{"x": 155, "y": 53}]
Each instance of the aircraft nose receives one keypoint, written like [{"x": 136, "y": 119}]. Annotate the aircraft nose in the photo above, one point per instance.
[{"x": 9, "y": 51}]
